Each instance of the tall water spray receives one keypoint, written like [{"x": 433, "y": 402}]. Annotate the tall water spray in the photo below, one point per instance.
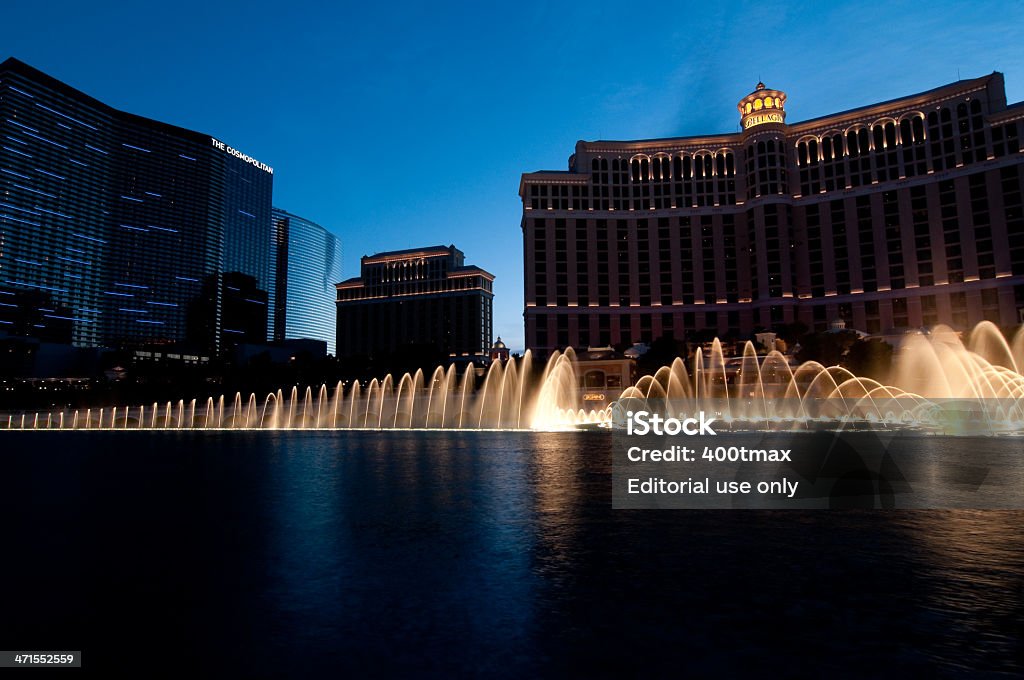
[
  {"x": 507, "y": 396},
  {"x": 936, "y": 378}
]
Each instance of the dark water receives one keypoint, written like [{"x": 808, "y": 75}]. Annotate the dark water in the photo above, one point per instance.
[{"x": 324, "y": 554}]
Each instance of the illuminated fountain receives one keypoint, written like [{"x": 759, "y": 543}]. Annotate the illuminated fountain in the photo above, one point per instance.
[
  {"x": 509, "y": 397},
  {"x": 937, "y": 383}
]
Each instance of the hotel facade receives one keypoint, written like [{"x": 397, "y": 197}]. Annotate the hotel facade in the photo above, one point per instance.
[
  {"x": 902, "y": 214},
  {"x": 308, "y": 269},
  {"x": 422, "y": 296},
  {"x": 119, "y": 230}
]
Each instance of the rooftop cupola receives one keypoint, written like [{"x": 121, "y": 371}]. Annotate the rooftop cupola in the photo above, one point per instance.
[{"x": 761, "y": 106}]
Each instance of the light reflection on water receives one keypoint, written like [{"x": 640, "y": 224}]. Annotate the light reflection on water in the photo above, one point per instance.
[
  {"x": 973, "y": 563},
  {"x": 480, "y": 552}
]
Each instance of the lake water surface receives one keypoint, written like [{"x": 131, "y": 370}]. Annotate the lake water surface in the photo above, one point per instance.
[{"x": 432, "y": 553}]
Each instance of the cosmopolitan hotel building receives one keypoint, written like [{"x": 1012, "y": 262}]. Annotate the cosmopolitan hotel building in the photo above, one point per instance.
[
  {"x": 901, "y": 214},
  {"x": 118, "y": 230},
  {"x": 308, "y": 269},
  {"x": 424, "y": 296}
]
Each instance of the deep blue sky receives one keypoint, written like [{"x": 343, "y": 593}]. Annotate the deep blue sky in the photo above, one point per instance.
[{"x": 404, "y": 124}]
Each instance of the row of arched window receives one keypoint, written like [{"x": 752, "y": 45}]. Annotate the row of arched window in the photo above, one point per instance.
[
  {"x": 664, "y": 168},
  {"x": 859, "y": 142},
  {"x": 912, "y": 144},
  {"x": 910, "y": 131}
]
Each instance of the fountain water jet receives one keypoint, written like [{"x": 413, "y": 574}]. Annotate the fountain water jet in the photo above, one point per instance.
[{"x": 936, "y": 378}]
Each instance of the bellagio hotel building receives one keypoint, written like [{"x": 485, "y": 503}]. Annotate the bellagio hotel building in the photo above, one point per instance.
[{"x": 902, "y": 214}]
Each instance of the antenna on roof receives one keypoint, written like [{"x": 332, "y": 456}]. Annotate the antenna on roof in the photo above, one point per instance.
[{"x": 958, "y": 73}]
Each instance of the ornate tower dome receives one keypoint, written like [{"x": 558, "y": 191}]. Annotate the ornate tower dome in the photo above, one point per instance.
[
  {"x": 499, "y": 352},
  {"x": 761, "y": 106}
]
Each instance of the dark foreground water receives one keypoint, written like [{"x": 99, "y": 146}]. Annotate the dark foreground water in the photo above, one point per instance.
[{"x": 326, "y": 554}]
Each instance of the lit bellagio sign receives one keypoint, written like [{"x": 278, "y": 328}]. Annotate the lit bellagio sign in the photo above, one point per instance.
[
  {"x": 761, "y": 118},
  {"x": 231, "y": 151}
]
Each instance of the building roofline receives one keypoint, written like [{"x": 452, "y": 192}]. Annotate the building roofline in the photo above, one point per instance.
[
  {"x": 426, "y": 250},
  {"x": 455, "y": 272},
  {"x": 471, "y": 269},
  {"x": 958, "y": 86},
  {"x": 726, "y": 137},
  {"x": 275, "y": 211},
  {"x": 556, "y": 176},
  {"x": 1010, "y": 112},
  {"x": 15, "y": 65},
  {"x": 730, "y": 137}
]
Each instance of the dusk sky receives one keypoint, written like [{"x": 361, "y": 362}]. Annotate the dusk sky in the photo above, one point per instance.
[{"x": 405, "y": 124}]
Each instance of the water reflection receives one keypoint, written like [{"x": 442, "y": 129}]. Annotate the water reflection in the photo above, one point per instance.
[
  {"x": 431, "y": 536},
  {"x": 972, "y": 566},
  {"x": 322, "y": 553}
]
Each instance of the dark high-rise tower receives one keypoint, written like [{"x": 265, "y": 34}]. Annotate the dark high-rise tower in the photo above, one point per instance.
[{"x": 117, "y": 222}]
